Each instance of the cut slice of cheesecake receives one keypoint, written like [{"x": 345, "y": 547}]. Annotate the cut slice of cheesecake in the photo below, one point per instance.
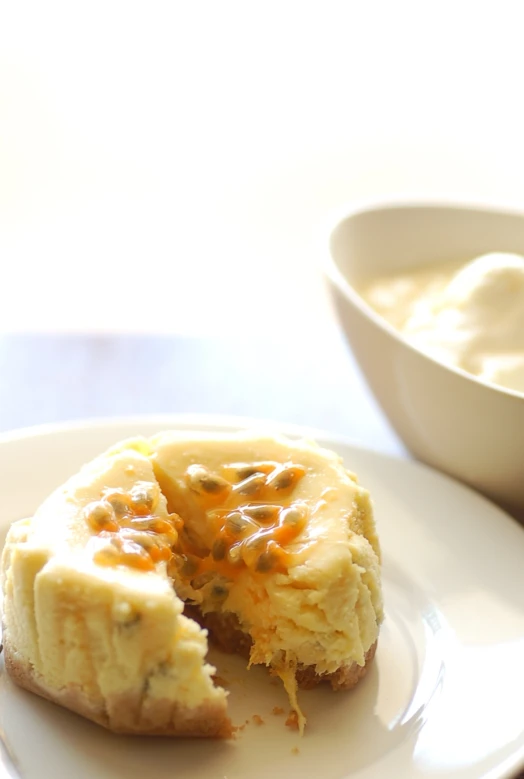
[
  {"x": 269, "y": 542},
  {"x": 91, "y": 622}
]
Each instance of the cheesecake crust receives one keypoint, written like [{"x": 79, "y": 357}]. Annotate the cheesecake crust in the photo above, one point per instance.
[
  {"x": 126, "y": 713},
  {"x": 344, "y": 678}
]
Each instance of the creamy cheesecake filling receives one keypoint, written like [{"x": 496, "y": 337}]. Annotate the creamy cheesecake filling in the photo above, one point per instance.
[{"x": 274, "y": 532}]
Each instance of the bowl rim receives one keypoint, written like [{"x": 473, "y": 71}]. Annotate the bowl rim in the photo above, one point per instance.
[{"x": 334, "y": 275}]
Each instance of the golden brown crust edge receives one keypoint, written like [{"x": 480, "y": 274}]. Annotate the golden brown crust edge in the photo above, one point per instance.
[
  {"x": 344, "y": 678},
  {"x": 225, "y": 632},
  {"x": 131, "y": 714},
  {"x": 128, "y": 713}
]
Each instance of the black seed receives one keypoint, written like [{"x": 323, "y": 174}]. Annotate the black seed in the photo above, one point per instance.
[
  {"x": 235, "y": 555},
  {"x": 246, "y": 472},
  {"x": 204, "y": 578},
  {"x": 189, "y": 566},
  {"x": 142, "y": 499},
  {"x": 293, "y": 516},
  {"x": 219, "y": 549},
  {"x": 99, "y": 514},
  {"x": 200, "y": 479},
  {"x": 235, "y": 523},
  {"x": 251, "y": 485},
  {"x": 213, "y": 484},
  {"x": 262, "y": 512},
  {"x": 265, "y": 562},
  {"x": 281, "y": 481},
  {"x": 120, "y": 507}
]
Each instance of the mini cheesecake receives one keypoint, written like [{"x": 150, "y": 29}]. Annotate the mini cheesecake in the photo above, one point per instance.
[{"x": 110, "y": 589}]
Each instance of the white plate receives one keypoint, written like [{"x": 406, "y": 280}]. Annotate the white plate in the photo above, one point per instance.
[{"x": 444, "y": 697}]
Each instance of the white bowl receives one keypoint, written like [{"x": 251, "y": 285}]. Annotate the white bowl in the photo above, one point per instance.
[{"x": 446, "y": 417}]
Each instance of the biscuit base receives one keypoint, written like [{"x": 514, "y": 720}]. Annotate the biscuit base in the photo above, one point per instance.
[
  {"x": 131, "y": 713},
  {"x": 127, "y": 713}
]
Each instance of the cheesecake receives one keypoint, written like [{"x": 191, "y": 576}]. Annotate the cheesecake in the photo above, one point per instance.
[{"x": 265, "y": 545}]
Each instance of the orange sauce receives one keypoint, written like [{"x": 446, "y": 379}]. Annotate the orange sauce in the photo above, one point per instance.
[{"x": 248, "y": 505}]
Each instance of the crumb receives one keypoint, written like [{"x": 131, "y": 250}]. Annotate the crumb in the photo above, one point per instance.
[
  {"x": 292, "y": 720},
  {"x": 274, "y": 682},
  {"x": 235, "y": 731},
  {"x": 295, "y": 751},
  {"x": 220, "y": 680},
  {"x": 257, "y": 719},
  {"x": 278, "y": 710}
]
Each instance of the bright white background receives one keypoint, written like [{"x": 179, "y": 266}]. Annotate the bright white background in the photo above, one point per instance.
[{"x": 170, "y": 166}]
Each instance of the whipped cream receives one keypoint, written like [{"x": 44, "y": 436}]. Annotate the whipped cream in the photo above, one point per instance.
[{"x": 470, "y": 316}]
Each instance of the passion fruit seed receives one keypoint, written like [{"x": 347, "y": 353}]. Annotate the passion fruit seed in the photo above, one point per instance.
[
  {"x": 135, "y": 553},
  {"x": 285, "y": 477},
  {"x": 245, "y": 471},
  {"x": 295, "y": 515},
  {"x": 201, "y": 480},
  {"x": 219, "y": 549},
  {"x": 251, "y": 485},
  {"x": 234, "y": 554},
  {"x": 153, "y": 544},
  {"x": 189, "y": 566},
  {"x": 154, "y": 525},
  {"x": 163, "y": 527},
  {"x": 262, "y": 512},
  {"x": 120, "y": 501},
  {"x": 175, "y": 565},
  {"x": 123, "y": 552},
  {"x": 202, "y": 579},
  {"x": 236, "y": 523},
  {"x": 219, "y": 592},
  {"x": 100, "y": 516},
  {"x": 251, "y": 549},
  {"x": 239, "y": 471},
  {"x": 144, "y": 497},
  {"x": 266, "y": 562},
  {"x": 215, "y": 485}
]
